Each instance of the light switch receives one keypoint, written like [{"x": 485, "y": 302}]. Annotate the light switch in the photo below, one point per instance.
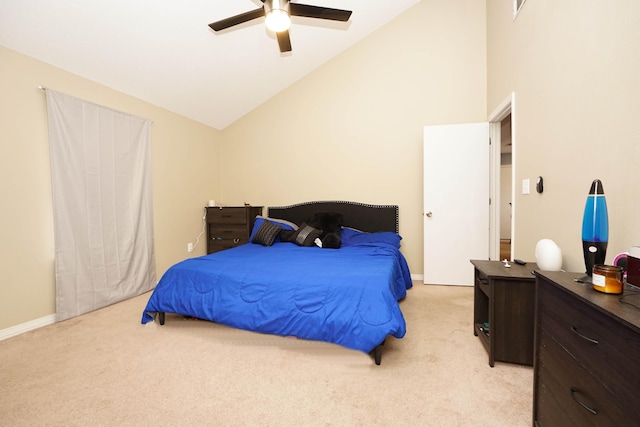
[{"x": 525, "y": 186}]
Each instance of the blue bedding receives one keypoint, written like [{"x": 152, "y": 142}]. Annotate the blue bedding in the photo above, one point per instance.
[{"x": 348, "y": 296}]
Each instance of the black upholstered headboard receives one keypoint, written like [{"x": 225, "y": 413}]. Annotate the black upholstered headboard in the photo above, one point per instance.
[{"x": 362, "y": 216}]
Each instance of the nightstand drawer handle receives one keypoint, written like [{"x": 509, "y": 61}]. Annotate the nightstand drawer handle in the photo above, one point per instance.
[
  {"x": 573, "y": 392},
  {"x": 575, "y": 331}
]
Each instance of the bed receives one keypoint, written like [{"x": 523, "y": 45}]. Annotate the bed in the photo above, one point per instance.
[{"x": 348, "y": 296}]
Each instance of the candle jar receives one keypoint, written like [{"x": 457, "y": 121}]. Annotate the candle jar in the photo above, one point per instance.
[{"x": 607, "y": 278}]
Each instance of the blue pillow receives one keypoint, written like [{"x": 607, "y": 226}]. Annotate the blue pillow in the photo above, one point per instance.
[
  {"x": 347, "y": 233},
  {"x": 352, "y": 237},
  {"x": 286, "y": 225}
]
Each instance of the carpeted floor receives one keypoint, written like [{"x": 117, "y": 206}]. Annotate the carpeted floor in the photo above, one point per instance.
[{"x": 105, "y": 368}]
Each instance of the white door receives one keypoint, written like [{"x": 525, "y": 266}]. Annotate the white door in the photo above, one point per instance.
[{"x": 456, "y": 201}]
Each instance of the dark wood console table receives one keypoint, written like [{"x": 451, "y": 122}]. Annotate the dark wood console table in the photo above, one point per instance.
[{"x": 503, "y": 310}]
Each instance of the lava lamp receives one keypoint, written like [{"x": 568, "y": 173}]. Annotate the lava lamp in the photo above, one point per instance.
[{"x": 595, "y": 227}]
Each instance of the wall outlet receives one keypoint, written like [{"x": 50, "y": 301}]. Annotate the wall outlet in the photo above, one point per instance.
[{"x": 189, "y": 247}]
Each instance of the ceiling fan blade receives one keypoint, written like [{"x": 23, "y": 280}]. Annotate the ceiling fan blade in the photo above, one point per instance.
[
  {"x": 238, "y": 19},
  {"x": 309, "y": 11},
  {"x": 284, "y": 41}
]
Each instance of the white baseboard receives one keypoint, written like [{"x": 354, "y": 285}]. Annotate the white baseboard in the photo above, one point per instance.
[
  {"x": 27, "y": 326},
  {"x": 417, "y": 277}
]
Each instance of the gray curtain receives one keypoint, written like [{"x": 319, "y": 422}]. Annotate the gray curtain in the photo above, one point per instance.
[{"x": 102, "y": 204}]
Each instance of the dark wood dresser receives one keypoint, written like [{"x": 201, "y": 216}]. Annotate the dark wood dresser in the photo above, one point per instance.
[
  {"x": 230, "y": 226},
  {"x": 587, "y": 354}
]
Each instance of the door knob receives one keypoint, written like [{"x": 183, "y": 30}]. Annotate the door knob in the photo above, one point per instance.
[{"x": 429, "y": 214}]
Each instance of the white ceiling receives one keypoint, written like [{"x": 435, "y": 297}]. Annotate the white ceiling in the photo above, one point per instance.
[{"x": 163, "y": 51}]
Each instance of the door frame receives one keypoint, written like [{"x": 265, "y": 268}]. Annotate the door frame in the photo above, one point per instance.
[{"x": 506, "y": 107}]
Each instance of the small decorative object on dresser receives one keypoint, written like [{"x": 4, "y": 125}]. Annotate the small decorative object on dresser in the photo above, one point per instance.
[
  {"x": 595, "y": 228},
  {"x": 228, "y": 227},
  {"x": 608, "y": 278},
  {"x": 587, "y": 354},
  {"x": 548, "y": 255}
]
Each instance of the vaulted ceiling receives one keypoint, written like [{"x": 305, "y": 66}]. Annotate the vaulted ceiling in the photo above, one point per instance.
[{"x": 164, "y": 52}]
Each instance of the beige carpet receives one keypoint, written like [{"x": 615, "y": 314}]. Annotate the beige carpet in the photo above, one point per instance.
[{"x": 105, "y": 368}]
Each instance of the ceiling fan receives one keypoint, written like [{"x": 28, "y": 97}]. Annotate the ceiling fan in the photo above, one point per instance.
[{"x": 278, "y": 18}]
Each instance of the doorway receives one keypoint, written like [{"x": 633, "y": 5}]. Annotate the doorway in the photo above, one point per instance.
[
  {"x": 502, "y": 208},
  {"x": 505, "y": 188}
]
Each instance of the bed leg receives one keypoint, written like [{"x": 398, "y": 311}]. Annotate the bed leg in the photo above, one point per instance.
[
  {"x": 161, "y": 317},
  {"x": 377, "y": 353}
]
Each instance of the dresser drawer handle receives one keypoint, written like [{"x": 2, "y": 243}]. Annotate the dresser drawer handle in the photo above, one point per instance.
[
  {"x": 575, "y": 331},
  {"x": 573, "y": 392},
  {"x": 236, "y": 241}
]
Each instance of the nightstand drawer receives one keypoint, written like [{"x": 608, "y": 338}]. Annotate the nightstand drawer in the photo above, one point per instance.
[
  {"x": 597, "y": 342},
  {"x": 227, "y": 216},
  {"x": 483, "y": 284}
]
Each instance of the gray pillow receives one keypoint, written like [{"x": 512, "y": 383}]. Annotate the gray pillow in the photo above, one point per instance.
[
  {"x": 266, "y": 234},
  {"x": 303, "y": 236}
]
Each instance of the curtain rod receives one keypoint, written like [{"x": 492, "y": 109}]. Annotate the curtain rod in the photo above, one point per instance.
[{"x": 44, "y": 89}]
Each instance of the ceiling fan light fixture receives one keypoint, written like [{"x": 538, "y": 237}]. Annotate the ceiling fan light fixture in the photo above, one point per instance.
[
  {"x": 277, "y": 15},
  {"x": 278, "y": 20}
]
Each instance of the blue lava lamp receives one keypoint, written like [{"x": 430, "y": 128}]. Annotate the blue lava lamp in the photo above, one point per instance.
[{"x": 595, "y": 227}]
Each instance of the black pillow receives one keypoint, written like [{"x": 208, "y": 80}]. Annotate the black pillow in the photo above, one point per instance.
[
  {"x": 267, "y": 233},
  {"x": 285, "y": 235},
  {"x": 303, "y": 236},
  {"x": 328, "y": 222}
]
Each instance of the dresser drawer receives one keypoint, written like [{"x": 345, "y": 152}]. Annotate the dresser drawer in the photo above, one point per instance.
[
  {"x": 221, "y": 244},
  {"x": 603, "y": 346},
  {"x": 228, "y": 231},
  {"x": 227, "y": 216},
  {"x": 550, "y": 412},
  {"x": 575, "y": 391},
  {"x": 229, "y": 227}
]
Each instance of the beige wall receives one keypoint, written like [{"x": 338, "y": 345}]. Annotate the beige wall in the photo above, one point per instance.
[
  {"x": 186, "y": 174},
  {"x": 574, "y": 69},
  {"x": 352, "y": 129}
]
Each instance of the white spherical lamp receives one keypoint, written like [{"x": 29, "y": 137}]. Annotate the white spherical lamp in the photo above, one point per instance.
[{"x": 548, "y": 255}]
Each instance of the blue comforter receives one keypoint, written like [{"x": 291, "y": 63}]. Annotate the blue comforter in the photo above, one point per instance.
[{"x": 348, "y": 296}]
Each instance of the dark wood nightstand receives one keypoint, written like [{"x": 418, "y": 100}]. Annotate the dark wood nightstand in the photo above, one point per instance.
[
  {"x": 503, "y": 310},
  {"x": 229, "y": 226}
]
